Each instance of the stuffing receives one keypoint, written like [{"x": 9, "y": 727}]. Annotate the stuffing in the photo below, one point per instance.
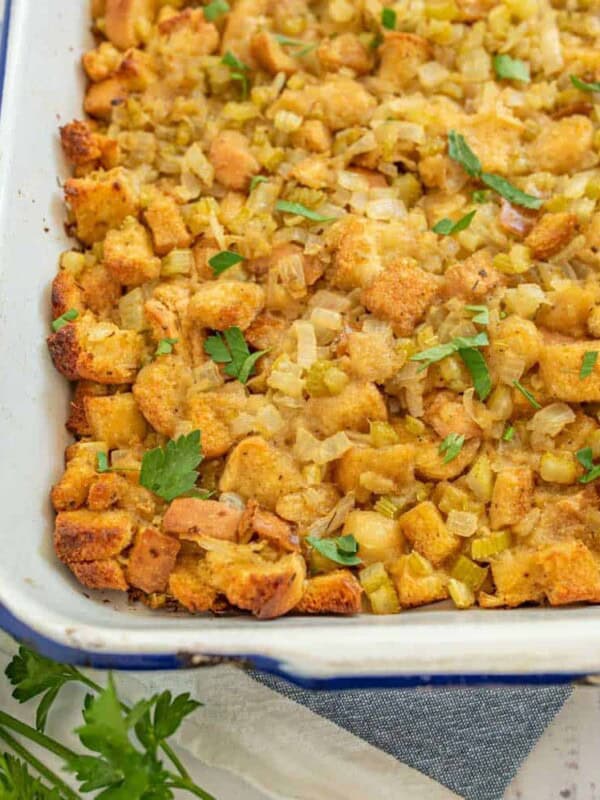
[
  {"x": 222, "y": 304},
  {"x": 84, "y": 535},
  {"x": 77, "y": 423},
  {"x": 560, "y": 365},
  {"x": 424, "y": 527},
  {"x": 105, "y": 574},
  {"x": 166, "y": 223},
  {"x": 190, "y": 583},
  {"x": 512, "y": 497},
  {"x": 125, "y": 21},
  {"x": 160, "y": 391},
  {"x": 128, "y": 254},
  {"x": 190, "y": 517},
  {"x": 115, "y": 419},
  {"x": 270, "y": 55},
  {"x": 562, "y": 145},
  {"x": 99, "y": 205},
  {"x": 232, "y": 160},
  {"x": 473, "y": 279},
  {"x": 393, "y": 463},
  {"x": 72, "y": 489},
  {"x": 401, "y": 56},
  {"x": 151, "y": 560},
  {"x": 446, "y": 414},
  {"x": 337, "y": 592},
  {"x": 417, "y": 587},
  {"x": 351, "y": 409},
  {"x": 345, "y": 50}
]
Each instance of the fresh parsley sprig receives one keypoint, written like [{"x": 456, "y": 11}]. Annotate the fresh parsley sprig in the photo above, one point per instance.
[
  {"x": 585, "y": 86},
  {"x": 448, "y": 227},
  {"x": 388, "y": 19},
  {"x": 451, "y": 446},
  {"x": 459, "y": 151},
  {"x": 230, "y": 348},
  {"x": 61, "y": 321},
  {"x": 509, "y": 434},
  {"x": 286, "y": 207},
  {"x": 512, "y": 69},
  {"x": 224, "y": 260},
  {"x": 299, "y": 47},
  {"x": 122, "y": 743},
  {"x": 165, "y": 346},
  {"x": 216, "y": 9},
  {"x": 474, "y": 361},
  {"x": 342, "y": 550},
  {"x": 238, "y": 72},
  {"x": 588, "y": 363},
  {"x": 171, "y": 471},
  {"x": 585, "y": 457},
  {"x": 527, "y": 394}
]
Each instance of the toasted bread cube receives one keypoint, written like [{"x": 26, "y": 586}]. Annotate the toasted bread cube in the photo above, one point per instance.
[
  {"x": 160, "y": 390},
  {"x": 424, "y": 527},
  {"x": 563, "y": 145},
  {"x": 111, "y": 490},
  {"x": 77, "y": 422},
  {"x": 560, "y": 365},
  {"x": 339, "y": 102},
  {"x": 429, "y": 462},
  {"x": 72, "y": 489},
  {"x": 265, "y": 332},
  {"x": 473, "y": 279},
  {"x": 99, "y": 205},
  {"x": 517, "y": 576},
  {"x": 569, "y": 312},
  {"x": 222, "y": 304},
  {"x": 351, "y": 409},
  {"x": 190, "y": 32},
  {"x": 96, "y": 351},
  {"x": 338, "y": 592},
  {"x": 379, "y": 538},
  {"x": 190, "y": 583},
  {"x": 104, "y": 574},
  {"x": 100, "y": 62},
  {"x": 80, "y": 144},
  {"x": 211, "y": 412},
  {"x": 265, "y": 525},
  {"x": 66, "y": 294},
  {"x": 190, "y": 517},
  {"x": 101, "y": 98},
  {"x": 270, "y": 55},
  {"x": 511, "y": 497},
  {"x": 115, "y": 419},
  {"x": 128, "y": 254},
  {"x": 356, "y": 261},
  {"x": 151, "y": 560},
  {"x": 92, "y": 536},
  {"x": 417, "y": 589},
  {"x": 401, "y": 294},
  {"x": 401, "y": 56},
  {"x": 394, "y": 462},
  {"x": 312, "y": 135},
  {"x": 551, "y": 234},
  {"x": 232, "y": 160},
  {"x": 446, "y": 414},
  {"x": 100, "y": 291},
  {"x": 127, "y": 20},
  {"x": 268, "y": 589},
  {"x": 571, "y": 573},
  {"x": 345, "y": 50},
  {"x": 166, "y": 223},
  {"x": 373, "y": 356},
  {"x": 257, "y": 469}
]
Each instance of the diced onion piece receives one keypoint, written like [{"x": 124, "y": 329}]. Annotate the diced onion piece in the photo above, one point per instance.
[
  {"x": 461, "y": 594},
  {"x": 310, "y": 449},
  {"x": 73, "y": 262},
  {"x": 307, "y": 343},
  {"x": 385, "y": 209},
  {"x": 467, "y": 571},
  {"x": 131, "y": 310},
  {"x": 335, "y": 519},
  {"x": 432, "y": 74},
  {"x": 550, "y": 420},
  {"x": 379, "y": 326},
  {"x": 480, "y": 478},
  {"x": 482, "y": 549},
  {"x": 232, "y": 500},
  {"x": 525, "y": 299},
  {"x": 197, "y": 163},
  {"x": 510, "y": 367},
  {"x": 285, "y": 377},
  {"x": 207, "y": 376},
  {"x": 558, "y": 467},
  {"x": 178, "y": 262},
  {"x": 462, "y": 523},
  {"x": 330, "y": 300},
  {"x": 352, "y": 181},
  {"x": 287, "y": 121},
  {"x": 325, "y": 319}
]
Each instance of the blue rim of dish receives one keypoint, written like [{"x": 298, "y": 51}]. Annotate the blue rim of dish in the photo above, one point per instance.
[{"x": 170, "y": 661}]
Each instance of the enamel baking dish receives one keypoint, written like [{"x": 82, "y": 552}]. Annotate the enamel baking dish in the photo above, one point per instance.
[{"x": 40, "y": 602}]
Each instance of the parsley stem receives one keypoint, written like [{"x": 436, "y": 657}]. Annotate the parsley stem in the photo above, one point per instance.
[
  {"x": 47, "y": 774},
  {"x": 188, "y": 786},
  {"x": 44, "y": 741}
]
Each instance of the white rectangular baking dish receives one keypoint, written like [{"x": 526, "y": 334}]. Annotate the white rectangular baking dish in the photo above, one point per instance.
[{"x": 40, "y": 601}]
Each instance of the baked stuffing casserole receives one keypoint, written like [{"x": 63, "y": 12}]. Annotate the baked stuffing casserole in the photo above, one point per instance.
[{"x": 334, "y": 315}]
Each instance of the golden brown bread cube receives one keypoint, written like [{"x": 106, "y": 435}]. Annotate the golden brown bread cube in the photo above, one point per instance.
[
  {"x": 352, "y": 409},
  {"x": 151, "y": 560},
  {"x": 517, "y": 576},
  {"x": 190, "y": 32},
  {"x": 424, "y": 527},
  {"x": 266, "y": 588},
  {"x": 190, "y": 583},
  {"x": 164, "y": 219},
  {"x": 339, "y": 102},
  {"x": 100, "y": 204},
  {"x": 402, "y": 295},
  {"x": 66, "y": 294},
  {"x": 257, "y": 469},
  {"x": 100, "y": 291},
  {"x": 232, "y": 160},
  {"x": 472, "y": 279},
  {"x": 394, "y": 462},
  {"x": 312, "y": 135},
  {"x": 96, "y": 351},
  {"x": 512, "y": 496},
  {"x": 190, "y": 517},
  {"x": 115, "y": 419},
  {"x": 569, "y": 312},
  {"x": 100, "y": 62},
  {"x": 128, "y": 254},
  {"x": 84, "y": 535},
  {"x": 571, "y": 573},
  {"x": 551, "y": 233},
  {"x": 562, "y": 146},
  {"x": 270, "y": 55},
  {"x": 86, "y": 148},
  {"x": 211, "y": 413},
  {"x": 126, "y": 21},
  {"x": 337, "y": 592},
  {"x": 373, "y": 357},
  {"x": 160, "y": 390},
  {"x": 112, "y": 490},
  {"x": 401, "y": 56},
  {"x": 72, "y": 489},
  {"x": 418, "y": 588},
  {"x": 222, "y": 304},
  {"x": 101, "y": 98},
  {"x": 345, "y": 50},
  {"x": 446, "y": 414},
  {"x": 77, "y": 422},
  {"x": 560, "y": 365},
  {"x": 356, "y": 258},
  {"x": 429, "y": 462},
  {"x": 103, "y": 574}
]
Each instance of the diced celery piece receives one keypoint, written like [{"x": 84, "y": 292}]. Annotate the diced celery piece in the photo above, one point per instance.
[
  {"x": 384, "y": 600},
  {"x": 178, "y": 262},
  {"x": 418, "y": 565},
  {"x": 482, "y": 549},
  {"x": 414, "y": 425},
  {"x": 373, "y": 577},
  {"x": 387, "y": 507},
  {"x": 382, "y": 434},
  {"x": 466, "y": 571},
  {"x": 462, "y": 595}
]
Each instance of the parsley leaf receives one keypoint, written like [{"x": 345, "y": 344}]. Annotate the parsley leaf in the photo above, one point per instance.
[
  {"x": 216, "y": 9},
  {"x": 165, "y": 346},
  {"x": 509, "y": 434},
  {"x": 305, "y": 47},
  {"x": 477, "y": 366},
  {"x": 451, "y": 446},
  {"x": 442, "y": 351},
  {"x": 230, "y": 348},
  {"x": 584, "y": 85},
  {"x": 17, "y": 783},
  {"x": 512, "y": 69},
  {"x": 526, "y": 394},
  {"x": 342, "y": 550},
  {"x": 481, "y": 314},
  {"x": 446, "y": 226},
  {"x": 588, "y": 364},
  {"x": 171, "y": 471},
  {"x": 32, "y": 675},
  {"x": 586, "y": 459},
  {"x": 256, "y": 180},
  {"x": 160, "y": 722},
  {"x": 61, "y": 321},
  {"x": 459, "y": 151},
  {"x": 223, "y": 260},
  {"x": 388, "y": 18},
  {"x": 302, "y": 211},
  {"x": 510, "y": 192},
  {"x": 238, "y": 72}
]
